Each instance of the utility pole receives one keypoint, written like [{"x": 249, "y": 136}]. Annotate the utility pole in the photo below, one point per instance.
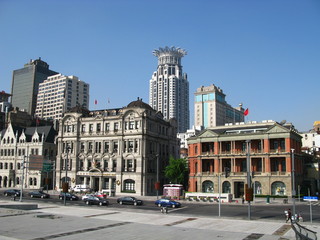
[
  {"x": 65, "y": 187},
  {"x": 158, "y": 184}
]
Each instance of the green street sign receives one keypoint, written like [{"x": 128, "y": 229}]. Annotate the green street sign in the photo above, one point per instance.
[{"x": 47, "y": 167}]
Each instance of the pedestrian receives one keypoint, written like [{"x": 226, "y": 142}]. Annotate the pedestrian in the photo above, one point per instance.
[
  {"x": 288, "y": 215},
  {"x": 164, "y": 208},
  {"x": 242, "y": 200}
]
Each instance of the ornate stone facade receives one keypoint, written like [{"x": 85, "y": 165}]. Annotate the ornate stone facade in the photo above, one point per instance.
[{"x": 116, "y": 150}]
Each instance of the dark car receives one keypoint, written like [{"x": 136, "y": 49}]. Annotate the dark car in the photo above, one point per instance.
[
  {"x": 11, "y": 192},
  {"x": 69, "y": 196},
  {"x": 129, "y": 200},
  {"x": 39, "y": 194},
  {"x": 96, "y": 201},
  {"x": 167, "y": 203}
]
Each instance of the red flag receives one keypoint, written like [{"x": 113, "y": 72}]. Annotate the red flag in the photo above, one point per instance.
[
  {"x": 96, "y": 102},
  {"x": 246, "y": 112}
]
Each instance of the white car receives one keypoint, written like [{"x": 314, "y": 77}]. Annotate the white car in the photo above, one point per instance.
[
  {"x": 85, "y": 197},
  {"x": 81, "y": 188}
]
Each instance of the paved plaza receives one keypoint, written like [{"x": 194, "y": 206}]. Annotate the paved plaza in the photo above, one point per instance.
[{"x": 71, "y": 223}]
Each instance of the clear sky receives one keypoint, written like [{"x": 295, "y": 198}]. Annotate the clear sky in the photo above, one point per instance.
[{"x": 262, "y": 53}]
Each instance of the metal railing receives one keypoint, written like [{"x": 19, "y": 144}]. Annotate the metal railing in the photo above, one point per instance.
[{"x": 303, "y": 233}]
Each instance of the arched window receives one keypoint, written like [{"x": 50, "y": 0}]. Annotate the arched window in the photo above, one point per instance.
[
  {"x": 129, "y": 185},
  {"x": 11, "y": 166},
  {"x": 17, "y": 180},
  {"x": 207, "y": 186},
  {"x": 1, "y": 165},
  {"x": 278, "y": 188},
  {"x": 30, "y": 182},
  {"x": 18, "y": 166},
  {"x": 257, "y": 188},
  {"x": 226, "y": 187},
  {"x": 34, "y": 181}
]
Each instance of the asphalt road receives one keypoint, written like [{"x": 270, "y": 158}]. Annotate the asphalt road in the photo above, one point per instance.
[{"x": 238, "y": 211}]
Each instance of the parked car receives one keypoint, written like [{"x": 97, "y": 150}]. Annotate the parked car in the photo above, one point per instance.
[
  {"x": 167, "y": 203},
  {"x": 96, "y": 201},
  {"x": 84, "y": 197},
  {"x": 11, "y": 192},
  {"x": 39, "y": 194},
  {"x": 100, "y": 194},
  {"x": 69, "y": 196},
  {"x": 129, "y": 200}
]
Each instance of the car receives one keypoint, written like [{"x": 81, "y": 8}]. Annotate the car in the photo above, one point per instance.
[
  {"x": 39, "y": 194},
  {"x": 100, "y": 194},
  {"x": 84, "y": 197},
  {"x": 167, "y": 203},
  {"x": 129, "y": 200},
  {"x": 11, "y": 192},
  {"x": 69, "y": 196},
  {"x": 96, "y": 201}
]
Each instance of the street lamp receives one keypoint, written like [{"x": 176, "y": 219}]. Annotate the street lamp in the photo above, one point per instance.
[
  {"x": 22, "y": 178},
  {"x": 65, "y": 187},
  {"x": 293, "y": 184},
  {"x": 158, "y": 183}
]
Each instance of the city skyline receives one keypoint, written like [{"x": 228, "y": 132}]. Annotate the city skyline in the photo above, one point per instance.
[{"x": 262, "y": 54}]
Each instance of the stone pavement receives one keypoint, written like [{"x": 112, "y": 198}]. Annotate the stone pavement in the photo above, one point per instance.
[{"x": 71, "y": 223}]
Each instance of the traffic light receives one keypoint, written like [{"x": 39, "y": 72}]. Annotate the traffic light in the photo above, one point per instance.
[{"x": 227, "y": 172}]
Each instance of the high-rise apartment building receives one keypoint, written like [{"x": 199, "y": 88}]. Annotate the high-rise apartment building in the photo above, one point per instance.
[
  {"x": 58, "y": 94},
  {"x": 25, "y": 83},
  {"x": 169, "y": 87},
  {"x": 211, "y": 108}
]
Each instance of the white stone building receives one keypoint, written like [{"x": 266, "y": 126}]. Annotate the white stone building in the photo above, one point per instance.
[
  {"x": 58, "y": 94},
  {"x": 116, "y": 150},
  {"x": 32, "y": 145}
]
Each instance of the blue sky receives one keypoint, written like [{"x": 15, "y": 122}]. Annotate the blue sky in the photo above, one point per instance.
[{"x": 262, "y": 53}]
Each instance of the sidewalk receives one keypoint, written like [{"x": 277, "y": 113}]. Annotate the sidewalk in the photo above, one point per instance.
[{"x": 71, "y": 223}]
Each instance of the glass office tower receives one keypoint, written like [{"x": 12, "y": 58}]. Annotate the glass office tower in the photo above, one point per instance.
[{"x": 25, "y": 83}]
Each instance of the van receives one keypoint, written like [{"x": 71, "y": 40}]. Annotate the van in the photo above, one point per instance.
[{"x": 81, "y": 188}]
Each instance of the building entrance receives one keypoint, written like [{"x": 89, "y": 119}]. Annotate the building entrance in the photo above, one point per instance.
[
  {"x": 238, "y": 189},
  {"x": 96, "y": 184}
]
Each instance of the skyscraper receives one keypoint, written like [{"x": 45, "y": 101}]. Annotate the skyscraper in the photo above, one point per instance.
[
  {"x": 25, "y": 83},
  {"x": 58, "y": 94},
  {"x": 169, "y": 87},
  {"x": 211, "y": 108}
]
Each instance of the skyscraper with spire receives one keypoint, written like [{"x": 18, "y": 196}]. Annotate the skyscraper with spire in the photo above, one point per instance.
[{"x": 169, "y": 87}]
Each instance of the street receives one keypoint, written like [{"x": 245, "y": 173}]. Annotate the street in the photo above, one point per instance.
[{"x": 259, "y": 211}]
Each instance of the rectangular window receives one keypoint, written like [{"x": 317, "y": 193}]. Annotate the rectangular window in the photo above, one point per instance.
[
  {"x": 107, "y": 127},
  {"x": 98, "y": 127},
  {"x": 106, "y": 147},
  {"x": 116, "y": 126},
  {"x": 131, "y": 125},
  {"x": 90, "y": 127},
  {"x": 83, "y": 128}
]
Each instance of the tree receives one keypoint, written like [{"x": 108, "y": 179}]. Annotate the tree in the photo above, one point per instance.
[{"x": 177, "y": 170}]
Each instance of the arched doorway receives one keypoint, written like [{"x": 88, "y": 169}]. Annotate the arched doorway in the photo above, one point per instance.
[
  {"x": 226, "y": 187},
  {"x": 207, "y": 186},
  {"x": 257, "y": 188},
  {"x": 278, "y": 188}
]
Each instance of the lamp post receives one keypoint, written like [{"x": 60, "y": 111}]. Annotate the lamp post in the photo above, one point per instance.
[
  {"x": 248, "y": 175},
  {"x": 22, "y": 178},
  {"x": 293, "y": 185},
  {"x": 65, "y": 189},
  {"x": 158, "y": 184}
]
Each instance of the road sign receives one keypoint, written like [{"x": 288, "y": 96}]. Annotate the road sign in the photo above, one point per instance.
[
  {"x": 310, "y": 198},
  {"x": 47, "y": 167}
]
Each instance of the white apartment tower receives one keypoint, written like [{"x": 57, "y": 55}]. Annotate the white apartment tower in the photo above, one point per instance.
[
  {"x": 58, "y": 94},
  {"x": 211, "y": 108},
  {"x": 169, "y": 87}
]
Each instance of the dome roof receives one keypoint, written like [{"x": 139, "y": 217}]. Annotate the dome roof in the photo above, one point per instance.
[{"x": 140, "y": 104}]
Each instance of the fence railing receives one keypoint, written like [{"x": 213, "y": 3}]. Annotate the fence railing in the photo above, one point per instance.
[{"x": 303, "y": 233}]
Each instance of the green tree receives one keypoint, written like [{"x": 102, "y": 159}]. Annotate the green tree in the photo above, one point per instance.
[{"x": 177, "y": 170}]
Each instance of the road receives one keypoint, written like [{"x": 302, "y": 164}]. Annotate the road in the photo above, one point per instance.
[{"x": 235, "y": 211}]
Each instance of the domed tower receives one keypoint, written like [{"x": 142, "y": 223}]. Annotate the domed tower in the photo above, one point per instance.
[{"x": 169, "y": 87}]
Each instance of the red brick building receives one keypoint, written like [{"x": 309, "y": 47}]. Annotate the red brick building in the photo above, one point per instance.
[{"x": 216, "y": 149}]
